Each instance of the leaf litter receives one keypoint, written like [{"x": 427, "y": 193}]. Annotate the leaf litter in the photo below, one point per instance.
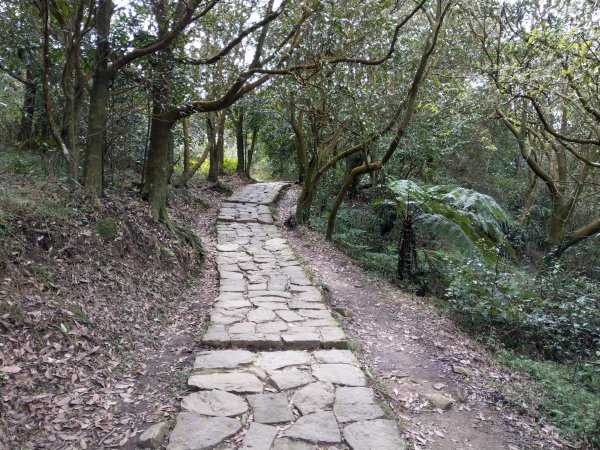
[{"x": 93, "y": 332}]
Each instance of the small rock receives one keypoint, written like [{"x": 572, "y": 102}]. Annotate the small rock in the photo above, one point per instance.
[
  {"x": 460, "y": 369},
  {"x": 457, "y": 394},
  {"x": 107, "y": 228},
  {"x": 336, "y": 357},
  {"x": 440, "y": 401},
  {"x": 153, "y": 436},
  {"x": 345, "y": 312},
  {"x": 223, "y": 359},
  {"x": 278, "y": 360},
  {"x": 439, "y": 386}
]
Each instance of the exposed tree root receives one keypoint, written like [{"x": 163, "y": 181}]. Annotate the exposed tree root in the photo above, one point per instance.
[
  {"x": 184, "y": 233},
  {"x": 219, "y": 186}
]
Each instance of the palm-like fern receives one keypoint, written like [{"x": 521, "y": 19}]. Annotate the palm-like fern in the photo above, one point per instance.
[{"x": 471, "y": 221}]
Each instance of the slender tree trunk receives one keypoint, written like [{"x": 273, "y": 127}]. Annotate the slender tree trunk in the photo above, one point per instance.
[
  {"x": 407, "y": 252},
  {"x": 46, "y": 86},
  {"x": 220, "y": 146},
  {"x": 185, "y": 124},
  {"x": 251, "y": 153},
  {"x": 184, "y": 179},
  {"x": 301, "y": 146},
  {"x": 93, "y": 175},
  {"x": 239, "y": 140},
  {"x": 28, "y": 111}
]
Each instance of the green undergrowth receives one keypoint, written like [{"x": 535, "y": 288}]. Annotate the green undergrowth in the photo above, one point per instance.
[
  {"x": 544, "y": 322},
  {"x": 569, "y": 393}
]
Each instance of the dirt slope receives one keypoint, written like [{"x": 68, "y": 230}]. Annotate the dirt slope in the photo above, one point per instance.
[{"x": 93, "y": 332}]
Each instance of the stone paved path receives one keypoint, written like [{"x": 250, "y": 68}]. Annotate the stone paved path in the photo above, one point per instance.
[{"x": 280, "y": 377}]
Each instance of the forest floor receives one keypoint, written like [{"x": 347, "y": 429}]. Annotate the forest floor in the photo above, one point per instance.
[
  {"x": 415, "y": 352},
  {"x": 98, "y": 337}
]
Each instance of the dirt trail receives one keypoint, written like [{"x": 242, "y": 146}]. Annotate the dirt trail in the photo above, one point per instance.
[{"x": 415, "y": 352}]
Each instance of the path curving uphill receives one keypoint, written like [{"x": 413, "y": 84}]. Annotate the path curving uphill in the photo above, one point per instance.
[{"x": 276, "y": 374}]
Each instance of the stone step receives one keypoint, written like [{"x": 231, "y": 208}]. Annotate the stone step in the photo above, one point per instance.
[{"x": 282, "y": 399}]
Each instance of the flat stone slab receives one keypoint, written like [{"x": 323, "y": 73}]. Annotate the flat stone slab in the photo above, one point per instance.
[
  {"x": 314, "y": 397},
  {"x": 277, "y": 360},
  {"x": 214, "y": 403},
  {"x": 196, "y": 432},
  {"x": 230, "y": 382},
  {"x": 271, "y": 408},
  {"x": 290, "y": 378},
  {"x": 223, "y": 359},
  {"x": 353, "y": 404},
  {"x": 319, "y": 427},
  {"x": 342, "y": 374},
  {"x": 377, "y": 434},
  {"x": 259, "y": 437},
  {"x": 290, "y": 444}
]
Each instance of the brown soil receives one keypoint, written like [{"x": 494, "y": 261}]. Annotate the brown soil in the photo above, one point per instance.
[{"x": 411, "y": 350}]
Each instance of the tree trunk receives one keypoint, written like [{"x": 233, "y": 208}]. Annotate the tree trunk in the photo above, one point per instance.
[
  {"x": 251, "y": 153},
  {"x": 308, "y": 192},
  {"x": 407, "y": 251},
  {"x": 184, "y": 179},
  {"x": 586, "y": 231},
  {"x": 301, "y": 147},
  {"x": 239, "y": 140},
  {"x": 72, "y": 114},
  {"x": 28, "y": 111},
  {"x": 157, "y": 166},
  {"x": 557, "y": 223},
  {"x": 213, "y": 170},
  {"x": 185, "y": 124},
  {"x": 221, "y": 144},
  {"x": 93, "y": 175}
]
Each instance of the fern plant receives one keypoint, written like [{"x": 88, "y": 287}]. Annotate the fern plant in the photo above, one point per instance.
[{"x": 471, "y": 221}]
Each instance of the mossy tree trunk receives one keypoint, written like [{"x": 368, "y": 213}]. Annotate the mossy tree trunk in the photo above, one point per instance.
[
  {"x": 157, "y": 166},
  {"x": 93, "y": 176}
]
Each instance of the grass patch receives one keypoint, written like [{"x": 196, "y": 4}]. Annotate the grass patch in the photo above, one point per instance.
[
  {"x": 20, "y": 161},
  {"x": 568, "y": 393},
  {"x": 180, "y": 380}
]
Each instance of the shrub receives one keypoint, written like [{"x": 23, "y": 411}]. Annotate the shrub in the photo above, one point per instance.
[{"x": 555, "y": 315}]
